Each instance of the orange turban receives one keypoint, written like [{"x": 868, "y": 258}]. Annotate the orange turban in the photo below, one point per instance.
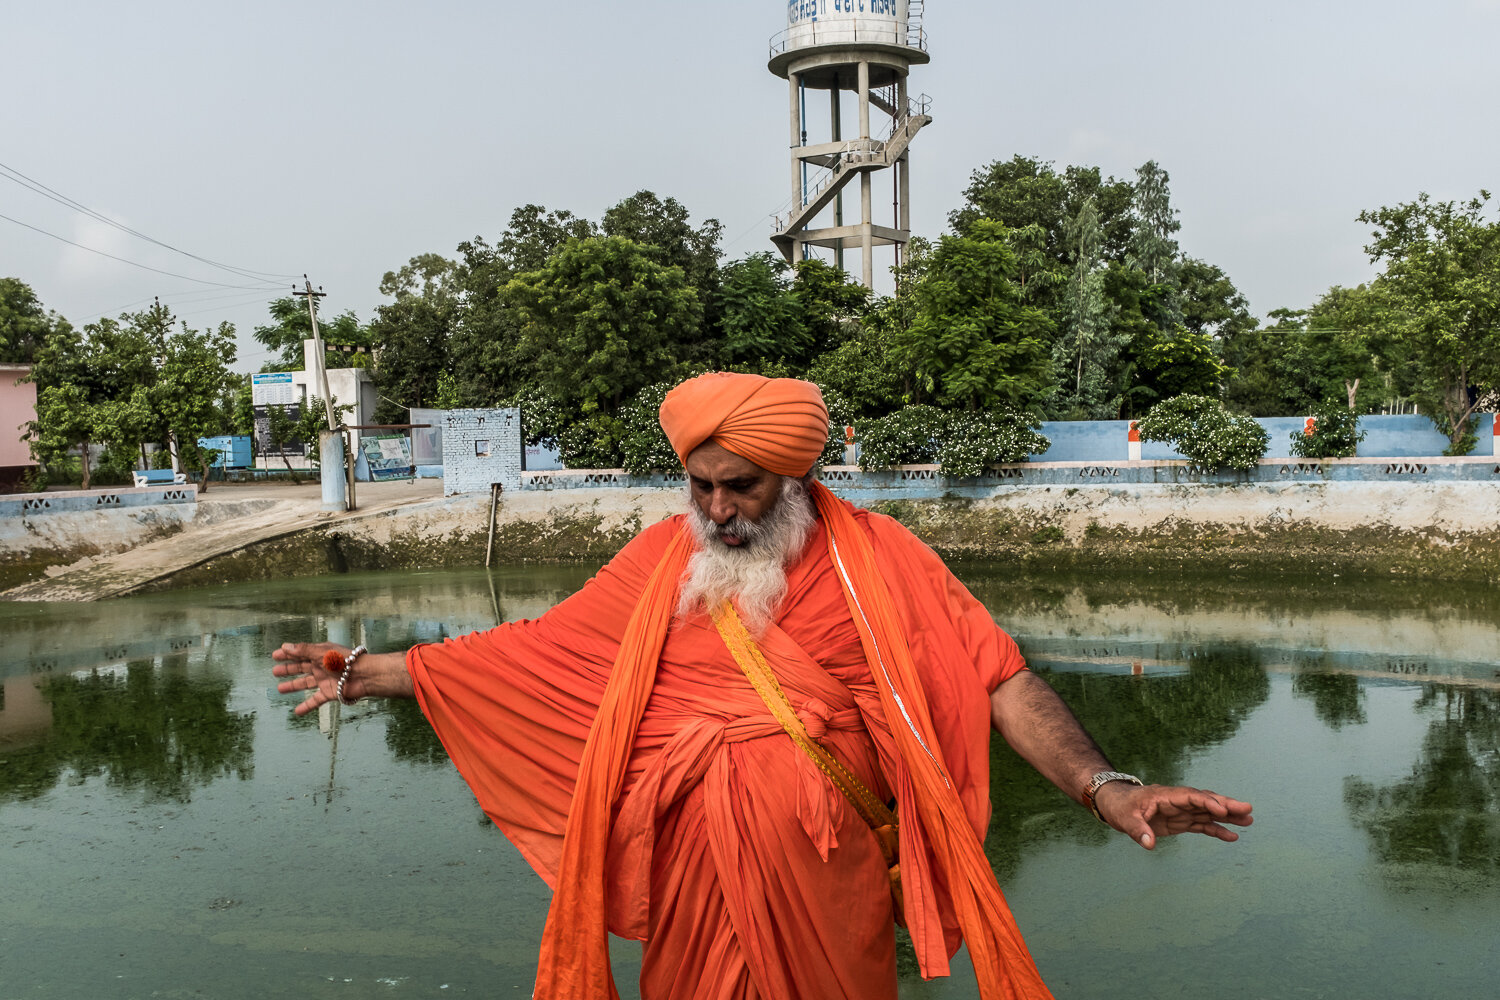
[{"x": 780, "y": 424}]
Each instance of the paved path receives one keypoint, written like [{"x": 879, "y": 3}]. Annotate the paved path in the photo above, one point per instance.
[{"x": 230, "y": 517}]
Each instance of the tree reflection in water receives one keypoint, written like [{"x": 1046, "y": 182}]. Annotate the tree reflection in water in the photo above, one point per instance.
[
  {"x": 1336, "y": 697},
  {"x": 1147, "y": 726},
  {"x": 1447, "y": 812},
  {"x": 161, "y": 729}
]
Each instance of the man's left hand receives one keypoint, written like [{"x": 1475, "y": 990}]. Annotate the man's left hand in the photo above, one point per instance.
[{"x": 1146, "y": 812}]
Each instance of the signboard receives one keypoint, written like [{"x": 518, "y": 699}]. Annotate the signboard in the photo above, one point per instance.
[
  {"x": 262, "y": 415},
  {"x": 388, "y": 456},
  {"x": 273, "y": 388}
]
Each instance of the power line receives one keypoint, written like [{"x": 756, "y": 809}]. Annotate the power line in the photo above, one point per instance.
[
  {"x": 265, "y": 284},
  {"x": 12, "y": 174}
]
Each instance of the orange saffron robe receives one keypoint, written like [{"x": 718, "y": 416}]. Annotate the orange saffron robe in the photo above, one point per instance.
[{"x": 736, "y": 862}]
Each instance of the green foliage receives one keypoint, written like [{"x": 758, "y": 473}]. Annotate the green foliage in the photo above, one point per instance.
[
  {"x": 1205, "y": 432},
  {"x": 290, "y": 325},
  {"x": 1335, "y": 432},
  {"x": 831, "y": 303},
  {"x": 962, "y": 443},
  {"x": 645, "y": 448},
  {"x": 909, "y": 436},
  {"x": 759, "y": 316},
  {"x": 862, "y": 371},
  {"x": 662, "y": 227},
  {"x": 1439, "y": 298},
  {"x": 602, "y": 319},
  {"x": 1463, "y": 443},
  {"x": 413, "y": 331},
  {"x": 972, "y": 343},
  {"x": 974, "y": 442},
  {"x": 840, "y": 415},
  {"x": 1180, "y": 362},
  {"x": 24, "y": 325},
  {"x": 593, "y": 442}
]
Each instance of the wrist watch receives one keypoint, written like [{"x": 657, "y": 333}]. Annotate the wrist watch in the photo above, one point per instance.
[{"x": 1098, "y": 781}]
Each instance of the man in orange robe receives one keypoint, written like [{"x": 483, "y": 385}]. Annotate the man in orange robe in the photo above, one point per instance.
[{"x": 619, "y": 744}]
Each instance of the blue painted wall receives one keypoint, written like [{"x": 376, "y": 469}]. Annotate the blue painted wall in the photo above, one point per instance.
[{"x": 1406, "y": 435}]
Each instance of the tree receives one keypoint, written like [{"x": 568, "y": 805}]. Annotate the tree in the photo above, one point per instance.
[
  {"x": 831, "y": 303},
  {"x": 972, "y": 342},
  {"x": 1441, "y": 304},
  {"x": 191, "y": 383},
  {"x": 1152, "y": 247},
  {"x": 1086, "y": 350},
  {"x": 24, "y": 325},
  {"x": 759, "y": 316},
  {"x": 663, "y": 227},
  {"x": 291, "y": 325},
  {"x": 65, "y": 419},
  {"x": 1178, "y": 362},
  {"x": 603, "y": 320},
  {"x": 412, "y": 332}
]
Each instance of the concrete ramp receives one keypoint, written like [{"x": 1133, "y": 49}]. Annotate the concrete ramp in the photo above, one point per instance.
[{"x": 206, "y": 538}]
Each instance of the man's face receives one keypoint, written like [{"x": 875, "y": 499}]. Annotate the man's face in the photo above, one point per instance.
[{"x": 732, "y": 492}]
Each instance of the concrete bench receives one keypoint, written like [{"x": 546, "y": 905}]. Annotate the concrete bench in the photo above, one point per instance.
[{"x": 159, "y": 477}]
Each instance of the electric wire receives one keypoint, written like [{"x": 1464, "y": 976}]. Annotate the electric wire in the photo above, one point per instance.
[
  {"x": 266, "y": 284},
  {"x": 36, "y": 186}
]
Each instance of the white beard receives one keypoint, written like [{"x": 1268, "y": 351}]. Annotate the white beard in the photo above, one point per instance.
[{"x": 752, "y": 575}]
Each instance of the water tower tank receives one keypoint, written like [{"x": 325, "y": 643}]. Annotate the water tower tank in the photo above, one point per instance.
[{"x": 867, "y": 48}]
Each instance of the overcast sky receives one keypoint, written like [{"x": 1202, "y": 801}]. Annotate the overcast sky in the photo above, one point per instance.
[{"x": 341, "y": 139}]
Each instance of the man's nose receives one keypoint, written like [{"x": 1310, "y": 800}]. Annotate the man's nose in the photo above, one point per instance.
[{"x": 721, "y": 508}]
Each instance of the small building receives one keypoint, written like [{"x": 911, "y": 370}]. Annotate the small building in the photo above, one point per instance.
[
  {"x": 17, "y": 410},
  {"x": 295, "y": 390}
]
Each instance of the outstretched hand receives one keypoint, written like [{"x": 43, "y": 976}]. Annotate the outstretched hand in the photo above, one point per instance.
[
  {"x": 303, "y": 663},
  {"x": 1144, "y": 813}
]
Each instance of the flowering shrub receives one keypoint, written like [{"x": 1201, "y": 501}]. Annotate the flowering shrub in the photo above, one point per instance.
[
  {"x": 908, "y": 436},
  {"x": 1205, "y": 432},
  {"x": 962, "y": 443},
  {"x": 645, "y": 447},
  {"x": 972, "y": 442},
  {"x": 1335, "y": 432}
]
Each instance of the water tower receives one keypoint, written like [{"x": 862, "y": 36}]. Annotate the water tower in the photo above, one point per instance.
[{"x": 866, "y": 48}]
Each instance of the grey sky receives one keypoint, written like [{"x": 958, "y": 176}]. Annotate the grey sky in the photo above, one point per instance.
[{"x": 340, "y": 139}]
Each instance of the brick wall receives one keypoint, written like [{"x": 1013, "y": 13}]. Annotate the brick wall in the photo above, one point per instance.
[{"x": 481, "y": 447}]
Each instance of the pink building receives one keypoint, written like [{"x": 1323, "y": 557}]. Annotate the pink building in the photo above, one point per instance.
[{"x": 17, "y": 409}]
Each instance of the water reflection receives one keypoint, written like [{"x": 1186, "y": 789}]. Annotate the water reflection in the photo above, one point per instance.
[
  {"x": 156, "y": 726},
  {"x": 1336, "y": 697},
  {"x": 125, "y": 719},
  {"x": 1446, "y": 813},
  {"x": 1148, "y": 725}
]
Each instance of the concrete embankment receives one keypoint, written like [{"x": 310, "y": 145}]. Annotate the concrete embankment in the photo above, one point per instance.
[{"x": 1444, "y": 530}]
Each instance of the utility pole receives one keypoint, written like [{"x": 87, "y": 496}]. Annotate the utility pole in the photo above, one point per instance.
[
  {"x": 312, "y": 314},
  {"x": 338, "y": 491}
]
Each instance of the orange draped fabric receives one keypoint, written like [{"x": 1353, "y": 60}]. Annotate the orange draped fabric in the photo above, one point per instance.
[{"x": 724, "y": 848}]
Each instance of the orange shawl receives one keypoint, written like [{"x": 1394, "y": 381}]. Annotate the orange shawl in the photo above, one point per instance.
[{"x": 575, "y": 947}]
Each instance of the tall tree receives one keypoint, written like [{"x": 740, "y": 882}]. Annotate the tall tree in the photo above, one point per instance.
[
  {"x": 1153, "y": 248},
  {"x": 760, "y": 319},
  {"x": 1085, "y": 351},
  {"x": 291, "y": 325},
  {"x": 24, "y": 324},
  {"x": 603, "y": 320},
  {"x": 663, "y": 226},
  {"x": 973, "y": 343},
  {"x": 411, "y": 333},
  {"x": 1441, "y": 292}
]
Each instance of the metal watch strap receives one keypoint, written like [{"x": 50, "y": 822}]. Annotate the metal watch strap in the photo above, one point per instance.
[{"x": 1098, "y": 781}]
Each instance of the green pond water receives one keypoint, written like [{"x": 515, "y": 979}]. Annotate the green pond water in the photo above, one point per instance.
[{"x": 169, "y": 829}]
